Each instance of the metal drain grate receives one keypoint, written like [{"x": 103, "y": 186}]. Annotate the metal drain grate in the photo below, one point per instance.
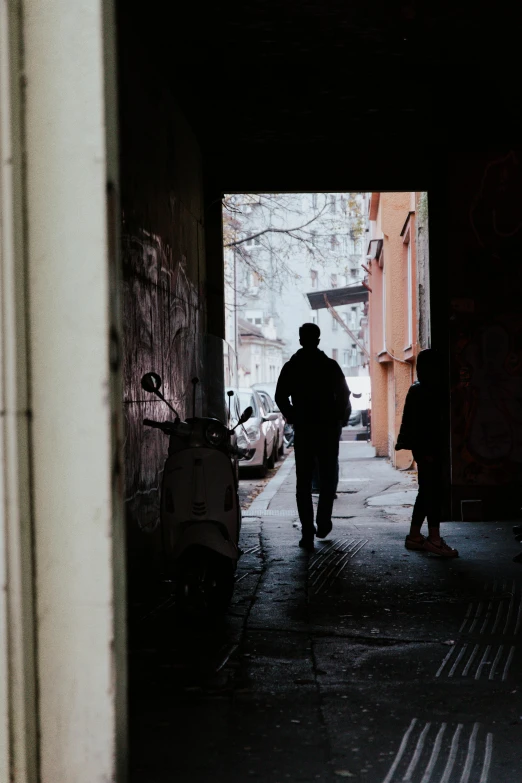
[
  {"x": 499, "y": 614},
  {"x": 442, "y": 752},
  {"x": 328, "y": 564}
]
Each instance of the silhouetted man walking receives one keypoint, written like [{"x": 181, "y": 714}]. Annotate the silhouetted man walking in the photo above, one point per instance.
[{"x": 319, "y": 398}]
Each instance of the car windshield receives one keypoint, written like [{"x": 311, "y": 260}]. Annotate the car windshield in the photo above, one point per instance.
[
  {"x": 265, "y": 400},
  {"x": 246, "y": 399},
  {"x": 270, "y": 402},
  {"x": 269, "y": 398}
]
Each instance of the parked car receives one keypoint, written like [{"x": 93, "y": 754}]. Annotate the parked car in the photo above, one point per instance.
[
  {"x": 232, "y": 408},
  {"x": 355, "y": 419},
  {"x": 360, "y": 399},
  {"x": 258, "y": 436},
  {"x": 266, "y": 392},
  {"x": 289, "y": 434}
]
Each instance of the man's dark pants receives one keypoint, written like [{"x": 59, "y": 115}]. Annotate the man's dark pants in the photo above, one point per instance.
[{"x": 311, "y": 445}]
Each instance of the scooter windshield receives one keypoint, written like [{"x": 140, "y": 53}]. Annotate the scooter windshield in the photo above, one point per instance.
[{"x": 216, "y": 372}]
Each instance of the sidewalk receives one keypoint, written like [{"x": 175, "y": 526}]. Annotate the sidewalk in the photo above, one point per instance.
[{"x": 362, "y": 661}]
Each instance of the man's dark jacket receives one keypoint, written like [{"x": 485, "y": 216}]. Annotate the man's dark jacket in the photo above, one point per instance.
[{"x": 312, "y": 390}]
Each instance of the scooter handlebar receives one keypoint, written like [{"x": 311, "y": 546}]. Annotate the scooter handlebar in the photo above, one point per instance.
[{"x": 158, "y": 425}]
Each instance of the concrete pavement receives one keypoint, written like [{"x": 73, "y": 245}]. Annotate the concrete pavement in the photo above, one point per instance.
[{"x": 363, "y": 660}]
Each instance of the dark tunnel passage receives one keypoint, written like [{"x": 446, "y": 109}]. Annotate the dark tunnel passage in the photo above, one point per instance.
[{"x": 362, "y": 660}]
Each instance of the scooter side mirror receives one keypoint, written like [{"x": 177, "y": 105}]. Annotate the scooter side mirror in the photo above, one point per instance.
[
  {"x": 151, "y": 382},
  {"x": 247, "y": 413}
]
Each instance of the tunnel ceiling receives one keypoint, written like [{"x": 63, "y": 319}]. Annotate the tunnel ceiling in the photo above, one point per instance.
[{"x": 333, "y": 75}]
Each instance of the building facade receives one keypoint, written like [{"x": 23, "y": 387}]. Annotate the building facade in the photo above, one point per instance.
[
  {"x": 398, "y": 308},
  {"x": 296, "y": 244},
  {"x": 260, "y": 353}
]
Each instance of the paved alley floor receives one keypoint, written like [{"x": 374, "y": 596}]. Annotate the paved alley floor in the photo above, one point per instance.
[{"x": 361, "y": 661}]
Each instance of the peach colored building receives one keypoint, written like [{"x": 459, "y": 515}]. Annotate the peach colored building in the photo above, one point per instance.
[{"x": 393, "y": 314}]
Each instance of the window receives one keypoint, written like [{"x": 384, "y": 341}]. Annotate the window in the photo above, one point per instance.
[
  {"x": 332, "y": 204},
  {"x": 245, "y": 400},
  {"x": 409, "y": 298},
  {"x": 346, "y": 358},
  {"x": 252, "y": 280},
  {"x": 354, "y": 273},
  {"x": 333, "y": 241},
  {"x": 353, "y": 357},
  {"x": 254, "y": 316},
  {"x": 265, "y": 400},
  {"x": 262, "y": 403},
  {"x": 353, "y": 317},
  {"x": 384, "y": 314},
  {"x": 334, "y": 353},
  {"x": 313, "y": 235},
  {"x": 313, "y": 275},
  {"x": 333, "y": 280},
  {"x": 335, "y": 325},
  {"x": 252, "y": 242},
  {"x": 314, "y": 200}
]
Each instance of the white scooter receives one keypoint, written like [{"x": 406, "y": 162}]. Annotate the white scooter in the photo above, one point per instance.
[{"x": 200, "y": 511}]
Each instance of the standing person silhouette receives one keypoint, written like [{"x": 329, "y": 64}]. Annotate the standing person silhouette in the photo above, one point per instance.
[
  {"x": 313, "y": 395},
  {"x": 420, "y": 431}
]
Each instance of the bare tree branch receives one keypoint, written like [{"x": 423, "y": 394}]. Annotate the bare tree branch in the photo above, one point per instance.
[
  {"x": 276, "y": 231},
  {"x": 271, "y": 250}
]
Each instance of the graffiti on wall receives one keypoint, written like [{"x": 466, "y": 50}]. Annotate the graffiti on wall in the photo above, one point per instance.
[
  {"x": 487, "y": 401},
  {"x": 161, "y": 310},
  {"x": 495, "y": 212}
]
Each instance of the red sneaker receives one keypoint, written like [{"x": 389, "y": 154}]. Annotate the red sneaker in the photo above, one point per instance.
[
  {"x": 416, "y": 544},
  {"x": 440, "y": 548}
]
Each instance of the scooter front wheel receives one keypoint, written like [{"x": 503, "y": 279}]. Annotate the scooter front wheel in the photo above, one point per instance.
[{"x": 204, "y": 588}]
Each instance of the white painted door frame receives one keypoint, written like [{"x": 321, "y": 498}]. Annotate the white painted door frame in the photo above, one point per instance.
[
  {"x": 18, "y": 692},
  {"x": 62, "y": 616}
]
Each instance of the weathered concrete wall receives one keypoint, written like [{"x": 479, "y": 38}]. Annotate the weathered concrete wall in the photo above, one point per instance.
[
  {"x": 422, "y": 239},
  {"x": 378, "y": 371},
  {"x": 392, "y": 374},
  {"x": 164, "y": 297},
  {"x": 394, "y": 209}
]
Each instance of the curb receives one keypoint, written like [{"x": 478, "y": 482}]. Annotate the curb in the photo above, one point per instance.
[{"x": 274, "y": 485}]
